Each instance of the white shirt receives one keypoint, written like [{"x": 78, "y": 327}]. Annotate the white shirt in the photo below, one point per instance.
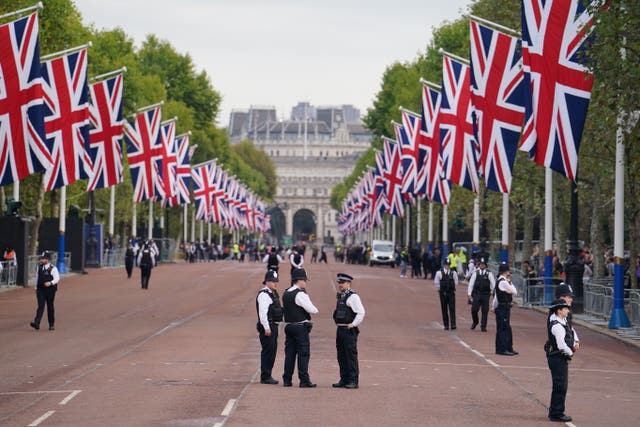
[
  {"x": 303, "y": 300},
  {"x": 264, "y": 301},
  {"x": 355, "y": 303},
  {"x": 474, "y": 276},
  {"x": 54, "y": 273},
  {"x": 436, "y": 280},
  {"x": 505, "y": 286},
  {"x": 265, "y": 259},
  {"x": 299, "y": 265},
  {"x": 559, "y": 333}
]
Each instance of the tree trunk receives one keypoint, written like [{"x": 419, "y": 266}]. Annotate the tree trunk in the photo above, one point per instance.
[{"x": 35, "y": 225}]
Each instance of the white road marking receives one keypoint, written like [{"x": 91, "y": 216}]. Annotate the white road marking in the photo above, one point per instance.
[
  {"x": 71, "y": 395},
  {"x": 42, "y": 418},
  {"x": 218, "y": 424},
  {"x": 227, "y": 409}
]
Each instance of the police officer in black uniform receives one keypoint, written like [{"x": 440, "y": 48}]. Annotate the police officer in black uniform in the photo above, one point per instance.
[
  {"x": 46, "y": 288},
  {"x": 129, "y": 255},
  {"x": 146, "y": 261},
  {"x": 481, "y": 286},
  {"x": 297, "y": 308},
  {"x": 560, "y": 348},
  {"x": 269, "y": 315},
  {"x": 446, "y": 281},
  {"x": 505, "y": 291},
  {"x": 348, "y": 314},
  {"x": 273, "y": 259}
]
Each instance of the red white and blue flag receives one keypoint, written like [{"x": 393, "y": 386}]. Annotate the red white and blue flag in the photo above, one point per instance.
[
  {"x": 412, "y": 125},
  {"x": 437, "y": 187},
  {"x": 392, "y": 175},
  {"x": 143, "y": 150},
  {"x": 219, "y": 207},
  {"x": 167, "y": 163},
  {"x": 105, "y": 135},
  {"x": 23, "y": 147},
  {"x": 66, "y": 119},
  {"x": 459, "y": 149},
  {"x": 497, "y": 95},
  {"x": 183, "y": 172},
  {"x": 553, "y": 45},
  {"x": 203, "y": 188}
]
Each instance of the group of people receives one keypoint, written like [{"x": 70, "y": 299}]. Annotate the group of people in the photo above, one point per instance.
[{"x": 295, "y": 311}]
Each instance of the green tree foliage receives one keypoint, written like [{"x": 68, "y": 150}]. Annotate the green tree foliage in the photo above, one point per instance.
[{"x": 259, "y": 161}]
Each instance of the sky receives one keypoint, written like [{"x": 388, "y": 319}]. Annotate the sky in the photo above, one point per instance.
[{"x": 280, "y": 52}]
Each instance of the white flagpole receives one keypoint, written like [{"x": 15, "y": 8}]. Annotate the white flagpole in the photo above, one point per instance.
[
  {"x": 185, "y": 215},
  {"x": 476, "y": 224},
  {"x": 16, "y": 191},
  {"x": 393, "y": 228},
  {"x": 134, "y": 224},
  {"x": 430, "y": 228},
  {"x": 193, "y": 225},
  {"x": 418, "y": 221},
  {"x": 150, "y": 228},
  {"x": 208, "y": 232},
  {"x": 548, "y": 235},
  {"x": 407, "y": 228},
  {"x": 201, "y": 235},
  {"x": 445, "y": 231},
  {"x": 62, "y": 267},
  {"x": 505, "y": 228},
  {"x": 112, "y": 206}
]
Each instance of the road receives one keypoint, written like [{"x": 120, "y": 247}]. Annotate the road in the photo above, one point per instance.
[{"x": 185, "y": 353}]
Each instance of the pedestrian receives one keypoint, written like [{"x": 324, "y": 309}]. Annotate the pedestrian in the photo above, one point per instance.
[
  {"x": 323, "y": 254},
  {"x": 272, "y": 259},
  {"x": 502, "y": 301},
  {"x": 404, "y": 260},
  {"x": 446, "y": 281},
  {"x": 46, "y": 288},
  {"x": 146, "y": 262},
  {"x": 560, "y": 347},
  {"x": 296, "y": 259},
  {"x": 348, "y": 314},
  {"x": 129, "y": 255},
  {"x": 481, "y": 286},
  {"x": 297, "y": 307},
  {"x": 269, "y": 315}
]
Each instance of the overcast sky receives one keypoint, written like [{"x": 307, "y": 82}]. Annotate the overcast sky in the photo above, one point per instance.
[{"x": 279, "y": 52}]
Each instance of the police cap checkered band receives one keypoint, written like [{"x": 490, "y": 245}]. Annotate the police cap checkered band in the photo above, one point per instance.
[{"x": 342, "y": 277}]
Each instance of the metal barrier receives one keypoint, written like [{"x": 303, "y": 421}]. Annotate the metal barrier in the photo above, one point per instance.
[
  {"x": 113, "y": 258},
  {"x": 598, "y": 300},
  {"x": 34, "y": 260},
  {"x": 8, "y": 273}
]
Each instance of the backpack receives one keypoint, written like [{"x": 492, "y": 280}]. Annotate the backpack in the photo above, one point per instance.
[{"x": 146, "y": 261}]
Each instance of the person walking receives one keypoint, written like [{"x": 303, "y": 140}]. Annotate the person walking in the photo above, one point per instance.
[
  {"x": 560, "y": 347},
  {"x": 146, "y": 262},
  {"x": 502, "y": 301},
  {"x": 446, "y": 281},
  {"x": 297, "y": 307},
  {"x": 348, "y": 315},
  {"x": 296, "y": 259},
  {"x": 272, "y": 259},
  {"x": 46, "y": 288},
  {"x": 481, "y": 286},
  {"x": 323, "y": 254},
  {"x": 269, "y": 315},
  {"x": 129, "y": 255}
]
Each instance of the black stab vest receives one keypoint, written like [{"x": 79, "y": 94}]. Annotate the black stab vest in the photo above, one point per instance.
[
  {"x": 503, "y": 297},
  {"x": 44, "y": 275},
  {"x": 274, "y": 314},
  {"x": 292, "y": 311},
  {"x": 483, "y": 284},
  {"x": 568, "y": 337},
  {"x": 343, "y": 314},
  {"x": 447, "y": 284}
]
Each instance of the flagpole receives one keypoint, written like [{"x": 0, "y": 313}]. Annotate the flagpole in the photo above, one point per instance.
[
  {"x": 201, "y": 235},
  {"x": 418, "y": 221},
  {"x": 23, "y": 11},
  {"x": 475, "y": 246},
  {"x": 66, "y": 51},
  {"x": 150, "y": 228},
  {"x": 16, "y": 191},
  {"x": 445, "y": 231},
  {"x": 134, "y": 225},
  {"x": 393, "y": 228},
  {"x": 208, "y": 232},
  {"x": 62, "y": 267},
  {"x": 185, "y": 217},
  {"x": 505, "y": 228},
  {"x": 453, "y": 56},
  {"x": 305, "y": 130},
  {"x": 548, "y": 236},
  {"x": 430, "y": 229},
  {"x": 105, "y": 76},
  {"x": 112, "y": 205},
  {"x": 511, "y": 31},
  {"x": 407, "y": 228},
  {"x": 193, "y": 225}
]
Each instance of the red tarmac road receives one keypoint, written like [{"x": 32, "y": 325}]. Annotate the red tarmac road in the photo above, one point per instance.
[{"x": 186, "y": 353}]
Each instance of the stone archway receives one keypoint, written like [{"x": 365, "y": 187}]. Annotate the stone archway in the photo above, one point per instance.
[
  {"x": 304, "y": 225},
  {"x": 278, "y": 222}
]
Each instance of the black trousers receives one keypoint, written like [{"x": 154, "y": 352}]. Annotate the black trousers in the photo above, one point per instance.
[
  {"x": 296, "y": 346},
  {"x": 145, "y": 275},
  {"x": 559, "y": 367},
  {"x": 128, "y": 265},
  {"x": 347, "y": 347},
  {"x": 46, "y": 295},
  {"x": 504, "y": 336},
  {"x": 448, "y": 307},
  {"x": 269, "y": 348},
  {"x": 480, "y": 301}
]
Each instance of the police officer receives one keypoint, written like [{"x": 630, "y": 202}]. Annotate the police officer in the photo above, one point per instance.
[
  {"x": 297, "y": 308},
  {"x": 46, "y": 288},
  {"x": 129, "y": 254},
  {"x": 269, "y": 315},
  {"x": 446, "y": 281},
  {"x": 348, "y": 314},
  {"x": 272, "y": 259},
  {"x": 146, "y": 261},
  {"x": 296, "y": 259},
  {"x": 560, "y": 348},
  {"x": 481, "y": 286},
  {"x": 505, "y": 291}
]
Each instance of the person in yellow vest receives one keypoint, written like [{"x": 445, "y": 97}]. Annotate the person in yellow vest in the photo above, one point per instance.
[
  {"x": 462, "y": 260},
  {"x": 453, "y": 260}
]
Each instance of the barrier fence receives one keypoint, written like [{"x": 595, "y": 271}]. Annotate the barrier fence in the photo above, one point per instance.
[{"x": 8, "y": 273}]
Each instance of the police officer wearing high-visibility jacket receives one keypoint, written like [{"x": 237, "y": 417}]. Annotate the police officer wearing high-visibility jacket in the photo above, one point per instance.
[
  {"x": 502, "y": 301},
  {"x": 46, "y": 288},
  {"x": 560, "y": 347},
  {"x": 297, "y": 307},
  {"x": 446, "y": 281},
  {"x": 481, "y": 286},
  {"x": 348, "y": 314},
  {"x": 269, "y": 315}
]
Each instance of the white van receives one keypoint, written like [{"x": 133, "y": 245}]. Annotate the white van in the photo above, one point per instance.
[{"x": 382, "y": 252}]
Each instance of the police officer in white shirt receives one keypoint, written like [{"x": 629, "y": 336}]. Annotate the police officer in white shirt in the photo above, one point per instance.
[
  {"x": 269, "y": 315},
  {"x": 446, "y": 281},
  {"x": 504, "y": 293},
  {"x": 46, "y": 288},
  {"x": 481, "y": 286}
]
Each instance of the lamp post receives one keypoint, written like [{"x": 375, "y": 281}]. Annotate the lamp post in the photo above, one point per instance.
[
  {"x": 92, "y": 242},
  {"x": 574, "y": 265}
]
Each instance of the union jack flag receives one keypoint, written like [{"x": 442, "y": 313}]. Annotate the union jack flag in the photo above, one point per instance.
[
  {"x": 167, "y": 163},
  {"x": 203, "y": 188},
  {"x": 66, "y": 119},
  {"x": 497, "y": 95},
  {"x": 23, "y": 147},
  {"x": 143, "y": 150},
  {"x": 437, "y": 187},
  {"x": 105, "y": 136},
  {"x": 183, "y": 172},
  {"x": 459, "y": 149},
  {"x": 553, "y": 36},
  {"x": 219, "y": 208},
  {"x": 393, "y": 177},
  {"x": 412, "y": 124}
]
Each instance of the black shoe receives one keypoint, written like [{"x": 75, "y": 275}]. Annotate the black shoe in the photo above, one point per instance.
[
  {"x": 484, "y": 329},
  {"x": 338, "y": 385},
  {"x": 51, "y": 328},
  {"x": 561, "y": 418},
  {"x": 351, "y": 385},
  {"x": 34, "y": 325},
  {"x": 513, "y": 352},
  {"x": 286, "y": 384},
  {"x": 446, "y": 328},
  {"x": 453, "y": 327},
  {"x": 473, "y": 326},
  {"x": 307, "y": 384},
  {"x": 269, "y": 381},
  {"x": 505, "y": 353}
]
